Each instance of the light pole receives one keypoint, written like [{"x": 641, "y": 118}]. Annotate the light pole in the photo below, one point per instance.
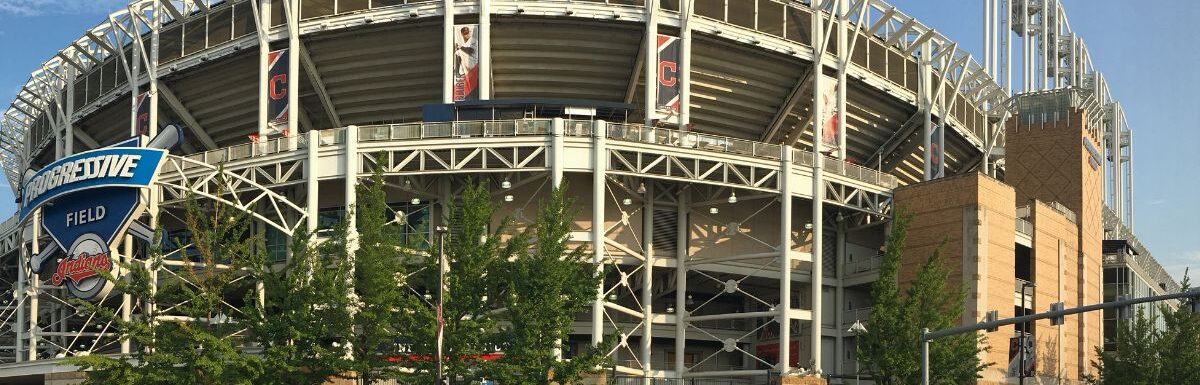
[
  {"x": 1024, "y": 333},
  {"x": 857, "y": 329},
  {"x": 441, "y": 230}
]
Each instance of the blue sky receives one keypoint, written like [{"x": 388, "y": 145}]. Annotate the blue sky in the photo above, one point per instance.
[{"x": 1144, "y": 50}]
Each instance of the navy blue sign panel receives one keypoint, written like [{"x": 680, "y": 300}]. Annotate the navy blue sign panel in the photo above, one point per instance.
[
  {"x": 105, "y": 167},
  {"x": 104, "y": 212},
  {"x": 277, "y": 86}
]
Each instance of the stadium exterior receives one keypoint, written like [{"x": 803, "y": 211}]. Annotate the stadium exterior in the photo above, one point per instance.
[{"x": 732, "y": 229}]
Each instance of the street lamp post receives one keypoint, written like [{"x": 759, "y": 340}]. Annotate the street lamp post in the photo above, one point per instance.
[
  {"x": 1024, "y": 333},
  {"x": 441, "y": 230},
  {"x": 857, "y": 329}
]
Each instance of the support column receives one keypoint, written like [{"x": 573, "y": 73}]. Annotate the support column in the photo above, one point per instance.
[
  {"x": 651, "y": 64},
  {"x": 349, "y": 188},
  {"x": 447, "y": 51},
  {"x": 843, "y": 62},
  {"x": 925, "y": 100},
  {"x": 1006, "y": 41},
  {"x": 34, "y": 285},
  {"x": 599, "y": 165},
  {"x": 818, "y": 186},
  {"x": 311, "y": 183},
  {"x": 557, "y": 157},
  {"x": 681, "y": 256},
  {"x": 293, "y": 75},
  {"x": 685, "y": 66},
  {"x": 135, "y": 77},
  {"x": 1044, "y": 36},
  {"x": 22, "y": 295},
  {"x": 485, "y": 49},
  {"x": 785, "y": 262},
  {"x": 839, "y": 298},
  {"x": 262, "y": 22},
  {"x": 126, "y": 298},
  {"x": 152, "y": 71},
  {"x": 647, "y": 281},
  {"x": 1026, "y": 49},
  {"x": 987, "y": 37},
  {"x": 69, "y": 102}
]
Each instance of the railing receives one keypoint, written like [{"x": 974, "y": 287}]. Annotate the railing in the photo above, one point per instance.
[
  {"x": 1024, "y": 227},
  {"x": 464, "y": 129},
  {"x": 249, "y": 150},
  {"x": 846, "y": 169},
  {"x": 1024, "y": 287},
  {"x": 543, "y": 127},
  {"x": 863, "y": 265},
  {"x": 861, "y": 314},
  {"x": 701, "y": 141}
]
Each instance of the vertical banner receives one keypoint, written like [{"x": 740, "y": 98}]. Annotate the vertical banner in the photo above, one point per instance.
[
  {"x": 466, "y": 62},
  {"x": 829, "y": 124},
  {"x": 1014, "y": 357},
  {"x": 937, "y": 152},
  {"x": 143, "y": 114},
  {"x": 277, "y": 91},
  {"x": 668, "y": 79}
]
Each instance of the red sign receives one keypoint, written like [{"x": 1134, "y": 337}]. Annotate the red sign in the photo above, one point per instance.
[{"x": 82, "y": 267}]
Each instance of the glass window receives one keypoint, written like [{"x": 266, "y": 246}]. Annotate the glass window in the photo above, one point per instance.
[
  {"x": 170, "y": 44},
  {"x": 670, "y": 5},
  {"x": 329, "y": 218},
  {"x": 93, "y": 86},
  {"x": 277, "y": 18},
  {"x": 243, "y": 21},
  {"x": 714, "y": 9},
  {"x": 742, "y": 13},
  {"x": 316, "y": 8},
  {"x": 193, "y": 36},
  {"x": 220, "y": 23},
  {"x": 344, "y": 6},
  {"x": 108, "y": 80},
  {"x": 798, "y": 25},
  {"x": 770, "y": 17},
  {"x": 386, "y": 3},
  {"x": 277, "y": 245}
]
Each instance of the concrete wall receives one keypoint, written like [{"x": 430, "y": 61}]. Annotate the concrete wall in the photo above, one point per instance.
[
  {"x": 974, "y": 216},
  {"x": 1050, "y": 162}
]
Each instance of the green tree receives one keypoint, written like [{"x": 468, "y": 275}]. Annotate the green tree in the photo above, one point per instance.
[
  {"x": 475, "y": 252},
  {"x": 546, "y": 286},
  {"x": 1144, "y": 352},
  {"x": 303, "y": 326},
  {"x": 890, "y": 350},
  {"x": 197, "y": 341},
  {"x": 382, "y": 308}
]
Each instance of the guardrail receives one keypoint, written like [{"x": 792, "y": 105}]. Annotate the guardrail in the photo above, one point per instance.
[
  {"x": 542, "y": 127},
  {"x": 863, "y": 265},
  {"x": 1024, "y": 227},
  {"x": 860, "y": 314}
]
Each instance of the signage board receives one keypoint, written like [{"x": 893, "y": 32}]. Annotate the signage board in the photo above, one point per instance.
[{"x": 87, "y": 201}]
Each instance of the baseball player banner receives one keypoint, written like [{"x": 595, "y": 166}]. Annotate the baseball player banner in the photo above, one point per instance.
[
  {"x": 667, "y": 104},
  {"x": 277, "y": 91},
  {"x": 937, "y": 152},
  {"x": 142, "y": 117},
  {"x": 830, "y": 143},
  {"x": 466, "y": 62}
]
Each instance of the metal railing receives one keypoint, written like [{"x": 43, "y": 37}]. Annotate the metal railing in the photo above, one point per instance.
[
  {"x": 1024, "y": 227},
  {"x": 863, "y": 265},
  {"x": 249, "y": 150},
  {"x": 860, "y": 314},
  {"x": 701, "y": 141},
  {"x": 542, "y": 127}
]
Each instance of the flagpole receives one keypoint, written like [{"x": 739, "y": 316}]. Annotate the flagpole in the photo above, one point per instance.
[{"x": 441, "y": 230}]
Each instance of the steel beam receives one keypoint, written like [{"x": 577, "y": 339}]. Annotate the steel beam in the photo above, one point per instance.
[
  {"x": 186, "y": 115},
  {"x": 789, "y": 103},
  {"x": 314, "y": 77}
]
